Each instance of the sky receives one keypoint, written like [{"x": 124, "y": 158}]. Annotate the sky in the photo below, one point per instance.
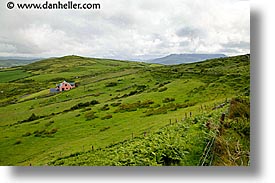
[{"x": 127, "y": 29}]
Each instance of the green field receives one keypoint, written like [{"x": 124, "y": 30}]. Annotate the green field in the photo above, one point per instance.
[
  {"x": 11, "y": 75},
  {"x": 126, "y": 113}
]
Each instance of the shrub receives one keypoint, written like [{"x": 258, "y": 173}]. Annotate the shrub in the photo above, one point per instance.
[
  {"x": 52, "y": 131},
  {"x": 163, "y": 84},
  {"x": 90, "y": 115},
  {"x": 239, "y": 107},
  {"x": 167, "y": 107},
  {"x": 115, "y": 104},
  {"x": 134, "y": 106},
  {"x": 33, "y": 117},
  {"x": 162, "y": 89},
  {"x": 94, "y": 102},
  {"x": 49, "y": 123},
  {"x": 18, "y": 141},
  {"x": 38, "y": 133},
  {"x": 26, "y": 134},
  {"x": 141, "y": 87},
  {"x": 44, "y": 132},
  {"x": 166, "y": 100},
  {"x": 108, "y": 116},
  {"x": 105, "y": 107},
  {"x": 111, "y": 84},
  {"x": 132, "y": 93},
  {"x": 82, "y": 105},
  {"x": 104, "y": 129}
]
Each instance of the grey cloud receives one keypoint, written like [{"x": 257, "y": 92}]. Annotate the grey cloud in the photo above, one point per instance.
[
  {"x": 15, "y": 47},
  {"x": 184, "y": 43},
  {"x": 121, "y": 20},
  {"x": 240, "y": 45},
  {"x": 190, "y": 32},
  {"x": 228, "y": 50},
  {"x": 125, "y": 29}
]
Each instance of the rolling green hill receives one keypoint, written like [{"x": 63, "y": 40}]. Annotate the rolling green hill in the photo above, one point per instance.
[
  {"x": 126, "y": 113},
  {"x": 16, "y": 61}
]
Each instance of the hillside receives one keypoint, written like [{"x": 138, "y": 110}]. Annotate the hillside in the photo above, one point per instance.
[
  {"x": 184, "y": 58},
  {"x": 16, "y": 61},
  {"x": 126, "y": 113}
]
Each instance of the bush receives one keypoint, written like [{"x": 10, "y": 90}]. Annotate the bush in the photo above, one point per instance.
[
  {"x": 33, "y": 117},
  {"x": 104, "y": 129},
  {"x": 167, "y": 107},
  {"x": 134, "y": 106},
  {"x": 44, "y": 132},
  {"x": 141, "y": 87},
  {"x": 49, "y": 123},
  {"x": 52, "y": 131},
  {"x": 115, "y": 104},
  {"x": 105, "y": 107},
  {"x": 18, "y": 141},
  {"x": 111, "y": 84},
  {"x": 108, "y": 116},
  {"x": 94, "y": 102},
  {"x": 90, "y": 115},
  {"x": 86, "y": 109},
  {"x": 239, "y": 107},
  {"x": 26, "y": 134},
  {"x": 166, "y": 100},
  {"x": 82, "y": 105},
  {"x": 162, "y": 89},
  {"x": 38, "y": 133}
]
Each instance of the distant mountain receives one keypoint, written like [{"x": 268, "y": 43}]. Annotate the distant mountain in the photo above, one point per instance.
[
  {"x": 16, "y": 61},
  {"x": 184, "y": 58}
]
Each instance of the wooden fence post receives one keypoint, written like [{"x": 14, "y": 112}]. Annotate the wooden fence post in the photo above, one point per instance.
[{"x": 222, "y": 118}]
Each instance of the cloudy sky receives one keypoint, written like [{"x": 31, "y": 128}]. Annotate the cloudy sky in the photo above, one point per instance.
[{"x": 127, "y": 29}]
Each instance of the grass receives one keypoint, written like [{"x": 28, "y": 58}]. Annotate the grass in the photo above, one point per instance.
[
  {"x": 9, "y": 75},
  {"x": 69, "y": 123}
]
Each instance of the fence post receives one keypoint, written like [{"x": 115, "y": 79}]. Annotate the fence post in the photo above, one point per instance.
[{"x": 222, "y": 118}]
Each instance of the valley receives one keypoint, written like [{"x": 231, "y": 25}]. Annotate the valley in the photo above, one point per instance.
[{"x": 126, "y": 113}]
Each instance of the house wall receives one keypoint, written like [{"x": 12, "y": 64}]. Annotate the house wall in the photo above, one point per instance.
[{"x": 65, "y": 86}]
